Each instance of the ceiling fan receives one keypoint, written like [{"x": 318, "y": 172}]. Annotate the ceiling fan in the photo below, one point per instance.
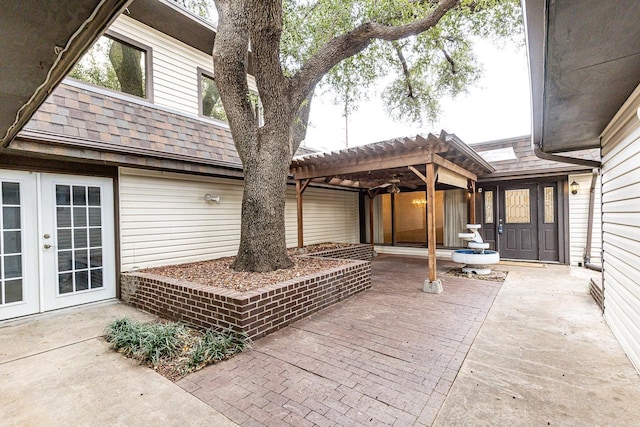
[{"x": 392, "y": 185}]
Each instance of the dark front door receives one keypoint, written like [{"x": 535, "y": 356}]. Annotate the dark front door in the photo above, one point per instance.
[{"x": 518, "y": 222}]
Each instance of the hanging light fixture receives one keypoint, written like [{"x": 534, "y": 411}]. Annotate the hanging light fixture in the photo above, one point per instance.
[
  {"x": 393, "y": 188},
  {"x": 574, "y": 186}
]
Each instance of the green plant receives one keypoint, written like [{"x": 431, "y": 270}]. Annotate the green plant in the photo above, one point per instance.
[
  {"x": 217, "y": 345},
  {"x": 147, "y": 342}
]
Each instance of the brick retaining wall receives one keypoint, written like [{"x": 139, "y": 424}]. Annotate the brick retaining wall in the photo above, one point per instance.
[
  {"x": 362, "y": 252},
  {"x": 258, "y": 312}
]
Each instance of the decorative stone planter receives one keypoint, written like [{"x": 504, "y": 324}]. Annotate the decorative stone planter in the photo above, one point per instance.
[{"x": 257, "y": 312}]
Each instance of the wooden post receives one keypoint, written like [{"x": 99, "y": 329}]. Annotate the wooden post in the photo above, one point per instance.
[
  {"x": 431, "y": 219},
  {"x": 472, "y": 202},
  {"x": 299, "y": 191},
  {"x": 371, "y": 196}
]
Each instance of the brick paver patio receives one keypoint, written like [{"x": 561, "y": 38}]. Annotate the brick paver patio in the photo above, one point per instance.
[{"x": 387, "y": 356}]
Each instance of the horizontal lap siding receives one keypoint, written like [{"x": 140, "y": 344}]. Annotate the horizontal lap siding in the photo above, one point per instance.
[
  {"x": 621, "y": 227},
  {"x": 175, "y": 64},
  {"x": 328, "y": 216},
  {"x": 578, "y": 220},
  {"x": 165, "y": 219}
]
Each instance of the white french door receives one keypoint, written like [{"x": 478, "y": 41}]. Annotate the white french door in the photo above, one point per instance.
[{"x": 57, "y": 244}]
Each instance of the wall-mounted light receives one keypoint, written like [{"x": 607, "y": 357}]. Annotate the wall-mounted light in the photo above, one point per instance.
[
  {"x": 211, "y": 198},
  {"x": 574, "y": 187}
]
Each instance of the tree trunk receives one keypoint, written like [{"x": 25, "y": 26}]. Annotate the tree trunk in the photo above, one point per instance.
[{"x": 263, "y": 245}]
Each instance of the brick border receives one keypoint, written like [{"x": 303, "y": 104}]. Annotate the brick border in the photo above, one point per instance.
[
  {"x": 362, "y": 252},
  {"x": 258, "y": 312}
]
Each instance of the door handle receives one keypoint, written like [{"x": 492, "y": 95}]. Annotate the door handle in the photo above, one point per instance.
[{"x": 47, "y": 246}]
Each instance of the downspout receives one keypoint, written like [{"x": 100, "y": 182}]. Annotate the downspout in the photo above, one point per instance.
[{"x": 592, "y": 199}]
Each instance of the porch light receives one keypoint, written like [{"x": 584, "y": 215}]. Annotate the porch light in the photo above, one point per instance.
[
  {"x": 393, "y": 188},
  {"x": 574, "y": 186}
]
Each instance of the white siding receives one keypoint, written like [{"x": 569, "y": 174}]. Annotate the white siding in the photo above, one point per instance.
[
  {"x": 175, "y": 64},
  {"x": 621, "y": 226},
  {"x": 578, "y": 217},
  {"x": 164, "y": 218}
]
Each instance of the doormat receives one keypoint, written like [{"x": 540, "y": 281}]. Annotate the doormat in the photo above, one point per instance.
[{"x": 494, "y": 276}]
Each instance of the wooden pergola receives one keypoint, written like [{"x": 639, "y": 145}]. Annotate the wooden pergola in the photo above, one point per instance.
[{"x": 418, "y": 162}]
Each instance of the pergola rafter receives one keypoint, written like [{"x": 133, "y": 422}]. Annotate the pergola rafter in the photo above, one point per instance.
[{"x": 415, "y": 162}]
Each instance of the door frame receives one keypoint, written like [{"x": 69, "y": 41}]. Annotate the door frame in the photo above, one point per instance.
[{"x": 562, "y": 201}]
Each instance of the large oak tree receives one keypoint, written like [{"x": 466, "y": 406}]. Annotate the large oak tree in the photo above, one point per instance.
[{"x": 294, "y": 44}]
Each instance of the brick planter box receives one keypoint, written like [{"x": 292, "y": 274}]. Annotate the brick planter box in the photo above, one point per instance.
[
  {"x": 357, "y": 251},
  {"x": 258, "y": 312}
]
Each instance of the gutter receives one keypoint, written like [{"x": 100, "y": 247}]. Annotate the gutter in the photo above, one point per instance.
[
  {"x": 592, "y": 198},
  {"x": 563, "y": 159}
]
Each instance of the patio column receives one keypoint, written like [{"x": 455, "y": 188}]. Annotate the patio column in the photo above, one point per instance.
[
  {"x": 371, "y": 196},
  {"x": 431, "y": 220},
  {"x": 300, "y": 187},
  {"x": 299, "y": 213},
  {"x": 472, "y": 201}
]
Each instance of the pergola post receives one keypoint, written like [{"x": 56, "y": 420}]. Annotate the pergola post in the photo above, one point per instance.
[
  {"x": 299, "y": 191},
  {"x": 432, "y": 284},
  {"x": 371, "y": 196},
  {"x": 472, "y": 201}
]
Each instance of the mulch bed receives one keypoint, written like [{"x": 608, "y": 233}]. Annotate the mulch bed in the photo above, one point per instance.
[
  {"x": 494, "y": 276},
  {"x": 217, "y": 273}
]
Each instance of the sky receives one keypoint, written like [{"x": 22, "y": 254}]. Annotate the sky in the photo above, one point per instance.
[{"x": 496, "y": 107}]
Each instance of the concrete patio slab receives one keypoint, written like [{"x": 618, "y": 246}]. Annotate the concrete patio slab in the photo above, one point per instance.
[
  {"x": 55, "y": 370},
  {"x": 544, "y": 356}
]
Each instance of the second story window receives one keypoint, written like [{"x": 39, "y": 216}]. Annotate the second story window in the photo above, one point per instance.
[
  {"x": 211, "y": 104},
  {"x": 117, "y": 65}
]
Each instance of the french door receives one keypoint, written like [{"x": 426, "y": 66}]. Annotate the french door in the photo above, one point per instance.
[{"x": 57, "y": 244}]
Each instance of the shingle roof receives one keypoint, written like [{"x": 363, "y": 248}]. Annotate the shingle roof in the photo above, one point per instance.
[
  {"x": 83, "y": 123},
  {"x": 526, "y": 162}
]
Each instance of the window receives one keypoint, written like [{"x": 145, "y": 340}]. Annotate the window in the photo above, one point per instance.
[
  {"x": 488, "y": 207},
  {"x": 549, "y": 201},
  {"x": 517, "y": 206},
  {"x": 211, "y": 104},
  {"x": 117, "y": 65}
]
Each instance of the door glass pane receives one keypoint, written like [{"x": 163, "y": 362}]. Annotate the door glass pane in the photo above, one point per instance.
[
  {"x": 79, "y": 196},
  {"x": 10, "y": 218},
  {"x": 488, "y": 207},
  {"x": 64, "y": 239},
  {"x": 517, "y": 206},
  {"x": 95, "y": 215},
  {"x": 65, "y": 283},
  {"x": 95, "y": 237},
  {"x": 80, "y": 238},
  {"x": 81, "y": 260},
  {"x": 10, "y": 193},
  {"x": 12, "y": 266},
  {"x": 11, "y": 291},
  {"x": 94, "y": 196},
  {"x": 96, "y": 278},
  {"x": 96, "y": 258},
  {"x": 63, "y": 195},
  {"x": 549, "y": 211},
  {"x": 79, "y": 217},
  {"x": 63, "y": 216},
  {"x": 65, "y": 260},
  {"x": 82, "y": 280}
]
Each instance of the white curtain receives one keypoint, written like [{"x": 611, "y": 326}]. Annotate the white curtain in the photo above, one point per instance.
[{"x": 455, "y": 217}]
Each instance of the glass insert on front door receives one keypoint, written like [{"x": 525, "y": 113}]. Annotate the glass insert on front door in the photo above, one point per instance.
[
  {"x": 79, "y": 236},
  {"x": 517, "y": 207},
  {"x": 11, "y": 284}
]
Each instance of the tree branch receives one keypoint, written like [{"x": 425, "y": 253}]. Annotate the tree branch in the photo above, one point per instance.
[
  {"x": 449, "y": 60},
  {"x": 355, "y": 41},
  {"x": 405, "y": 68},
  {"x": 300, "y": 123}
]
